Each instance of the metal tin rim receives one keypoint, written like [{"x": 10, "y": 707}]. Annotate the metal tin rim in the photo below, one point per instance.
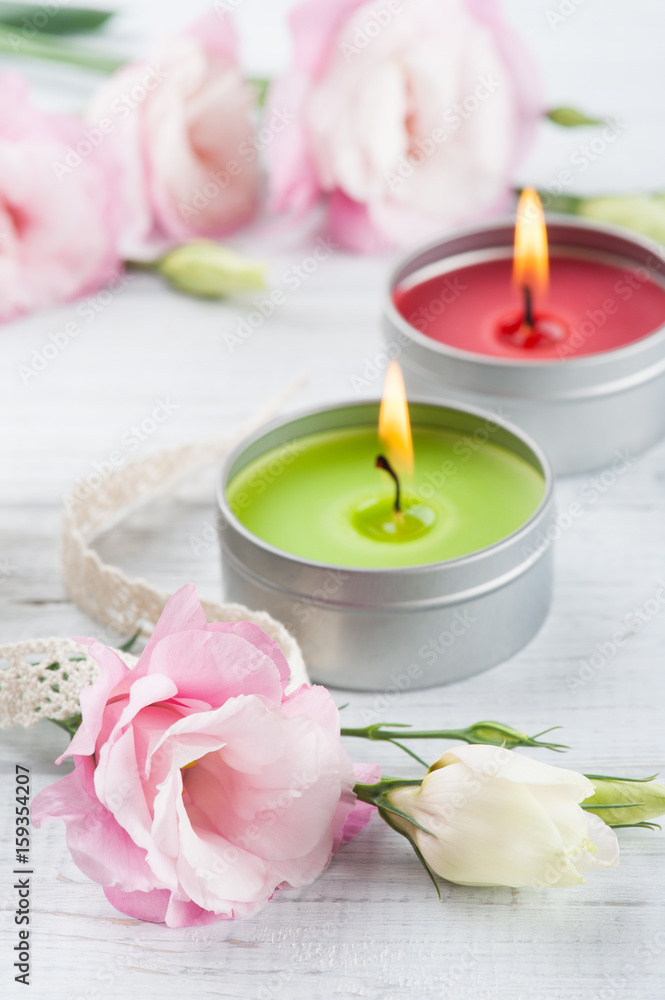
[{"x": 283, "y": 561}]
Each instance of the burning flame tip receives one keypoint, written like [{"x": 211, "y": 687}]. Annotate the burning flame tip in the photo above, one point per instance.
[
  {"x": 531, "y": 263},
  {"x": 394, "y": 422}
]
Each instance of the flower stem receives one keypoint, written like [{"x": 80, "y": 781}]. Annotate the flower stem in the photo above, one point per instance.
[
  {"x": 376, "y": 732},
  {"x": 487, "y": 733}
]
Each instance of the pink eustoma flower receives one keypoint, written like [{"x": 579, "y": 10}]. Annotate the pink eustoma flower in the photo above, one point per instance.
[
  {"x": 409, "y": 116},
  {"x": 179, "y": 123},
  {"x": 57, "y": 218},
  {"x": 200, "y": 785}
]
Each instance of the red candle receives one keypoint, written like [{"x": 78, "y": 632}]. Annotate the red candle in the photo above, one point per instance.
[{"x": 588, "y": 305}]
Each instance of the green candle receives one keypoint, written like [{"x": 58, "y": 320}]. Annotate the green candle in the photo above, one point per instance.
[{"x": 322, "y": 498}]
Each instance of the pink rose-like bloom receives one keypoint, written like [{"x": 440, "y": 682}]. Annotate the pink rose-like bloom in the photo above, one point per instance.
[
  {"x": 57, "y": 224},
  {"x": 200, "y": 785},
  {"x": 410, "y": 115},
  {"x": 179, "y": 123}
]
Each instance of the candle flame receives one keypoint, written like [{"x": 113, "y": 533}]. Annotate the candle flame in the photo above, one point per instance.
[
  {"x": 394, "y": 422},
  {"x": 530, "y": 263}
]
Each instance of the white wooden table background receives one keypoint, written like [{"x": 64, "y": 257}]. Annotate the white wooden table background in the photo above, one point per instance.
[{"x": 371, "y": 926}]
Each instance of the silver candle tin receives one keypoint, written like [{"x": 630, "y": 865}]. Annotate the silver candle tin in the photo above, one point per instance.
[
  {"x": 584, "y": 411},
  {"x": 403, "y": 628}
]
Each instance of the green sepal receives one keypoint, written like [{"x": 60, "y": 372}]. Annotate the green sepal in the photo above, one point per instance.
[
  {"x": 613, "y": 805},
  {"x": 624, "y": 801},
  {"x": 378, "y": 795},
  {"x": 403, "y": 833},
  {"x": 610, "y": 777},
  {"x": 643, "y": 824}
]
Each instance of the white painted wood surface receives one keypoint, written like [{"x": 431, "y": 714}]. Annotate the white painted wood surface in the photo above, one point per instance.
[{"x": 371, "y": 926}]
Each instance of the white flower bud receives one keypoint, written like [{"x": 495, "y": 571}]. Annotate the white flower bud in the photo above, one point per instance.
[{"x": 495, "y": 817}]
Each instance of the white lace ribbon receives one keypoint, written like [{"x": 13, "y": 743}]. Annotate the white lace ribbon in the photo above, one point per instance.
[{"x": 31, "y": 686}]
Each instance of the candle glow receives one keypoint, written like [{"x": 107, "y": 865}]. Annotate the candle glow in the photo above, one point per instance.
[
  {"x": 529, "y": 329},
  {"x": 531, "y": 259},
  {"x": 394, "y": 422}
]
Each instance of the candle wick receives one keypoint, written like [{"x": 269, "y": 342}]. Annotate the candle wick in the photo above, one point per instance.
[
  {"x": 383, "y": 463},
  {"x": 528, "y": 307}
]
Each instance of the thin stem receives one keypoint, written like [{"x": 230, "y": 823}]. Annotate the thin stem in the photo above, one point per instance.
[
  {"x": 373, "y": 733},
  {"x": 486, "y": 733},
  {"x": 142, "y": 265}
]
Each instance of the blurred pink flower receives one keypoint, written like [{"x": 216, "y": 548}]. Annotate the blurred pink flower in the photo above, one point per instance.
[
  {"x": 410, "y": 115},
  {"x": 57, "y": 222},
  {"x": 200, "y": 786},
  {"x": 179, "y": 123}
]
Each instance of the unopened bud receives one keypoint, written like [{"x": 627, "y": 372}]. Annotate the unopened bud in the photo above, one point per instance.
[
  {"x": 635, "y": 801},
  {"x": 210, "y": 271}
]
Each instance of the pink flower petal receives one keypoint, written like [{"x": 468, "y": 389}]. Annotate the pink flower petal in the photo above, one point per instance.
[
  {"x": 113, "y": 672},
  {"x": 315, "y": 24},
  {"x": 215, "y": 666},
  {"x": 205, "y": 787},
  {"x": 98, "y": 845},
  {"x": 261, "y": 641},
  {"x": 59, "y": 216},
  {"x": 183, "y": 145},
  {"x": 215, "y": 32},
  {"x": 411, "y": 120}
]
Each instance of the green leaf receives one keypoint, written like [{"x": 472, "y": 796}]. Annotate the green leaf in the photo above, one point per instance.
[
  {"x": 571, "y": 117},
  {"x": 61, "y": 21},
  {"x": 43, "y": 46},
  {"x": 70, "y": 724}
]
